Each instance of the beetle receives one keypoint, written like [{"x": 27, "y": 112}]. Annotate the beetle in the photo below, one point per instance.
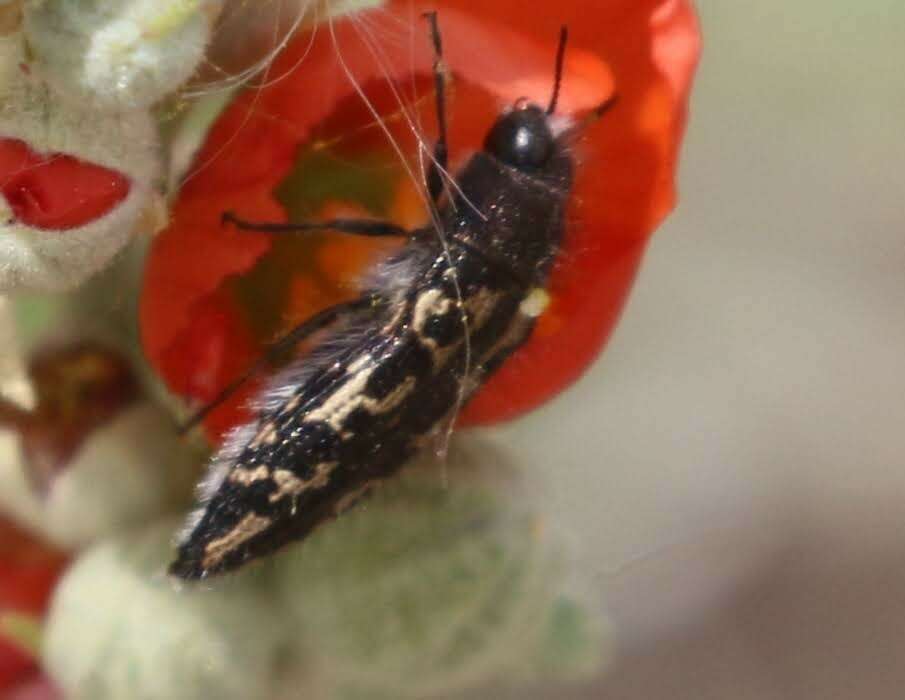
[{"x": 436, "y": 319}]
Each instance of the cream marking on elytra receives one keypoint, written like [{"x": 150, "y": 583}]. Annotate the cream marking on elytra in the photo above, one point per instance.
[
  {"x": 478, "y": 308},
  {"x": 247, "y": 477},
  {"x": 391, "y": 400},
  {"x": 359, "y": 364},
  {"x": 431, "y": 302},
  {"x": 290, "y": 485},
  {"x": 267, "y": 435},
  {"x": 481, "y": 305},
  {"x": 250, "y": 526},
  {"x": 515, "y": 333},
  {"x": 350, "y": 397}
]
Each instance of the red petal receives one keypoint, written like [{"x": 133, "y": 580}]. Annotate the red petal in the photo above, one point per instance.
[
  {"x": 15, "y": 666},
  {"x": 55, "y": 191},
  {"x": 208, "y": 354},
  {"x": 28, "y": 573},
  {"x": 190, "y": 260},
  {"x": 37, "y": 687},
  {"x": 28, "y": 570}
]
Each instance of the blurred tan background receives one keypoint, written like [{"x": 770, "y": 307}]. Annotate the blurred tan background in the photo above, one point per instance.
[{"x": 734, "y": 466}]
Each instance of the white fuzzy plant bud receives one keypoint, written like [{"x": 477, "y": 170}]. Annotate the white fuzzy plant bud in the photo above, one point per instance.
[
  {"x": 431, "y": 589},
  {"x": 78, "y": 79},
  {"x": 70, "y": 480},
  {"x": 127, "y": 473},
  {"x": 425, "y": 591},
  {"x": 51, "y": 133},
  {"x": 118, "y": 54},
  {"x": 119, "y": 629}
]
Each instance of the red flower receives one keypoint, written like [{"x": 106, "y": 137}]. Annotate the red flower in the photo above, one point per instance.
[
  {"x": 55, "y": 191},
  {"x": 306, "y": 142},
  {"x": 28, "y": 573},
  {"x": 38, "y": 687}
]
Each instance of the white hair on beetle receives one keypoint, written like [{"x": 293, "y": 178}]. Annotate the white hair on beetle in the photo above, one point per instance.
[
  {"x": 217, "y": 471},
  {"x": 279, "y": 389}
]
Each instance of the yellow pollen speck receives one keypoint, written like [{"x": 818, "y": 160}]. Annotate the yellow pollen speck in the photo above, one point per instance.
[{"x": 535, "y": 303}]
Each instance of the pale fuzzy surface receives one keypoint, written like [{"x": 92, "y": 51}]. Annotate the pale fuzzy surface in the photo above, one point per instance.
[
  {"x": 118, "y": 54},
  {"x": 126, "y": 141},
  {"x": 431, "y": 588},
  {"x": 39, "y": 260},
  {"x": 118, "y": 628},
  {"x": 131, "y": 469},
  {"x": 248, "y": 35},
  {"x": 10, "y": 55},
  {"x": 428, "y": 587},
  {"x": 110, "y": 485},
  {"x": 338, "y": 8}
]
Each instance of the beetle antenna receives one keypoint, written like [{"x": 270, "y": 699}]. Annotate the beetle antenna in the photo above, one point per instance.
[
  {"x": 440, "y": 160},
  {"x": 560, "y": 59}
]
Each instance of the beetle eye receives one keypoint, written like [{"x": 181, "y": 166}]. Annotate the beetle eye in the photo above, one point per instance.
[{"x": 521, "y": 138}]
